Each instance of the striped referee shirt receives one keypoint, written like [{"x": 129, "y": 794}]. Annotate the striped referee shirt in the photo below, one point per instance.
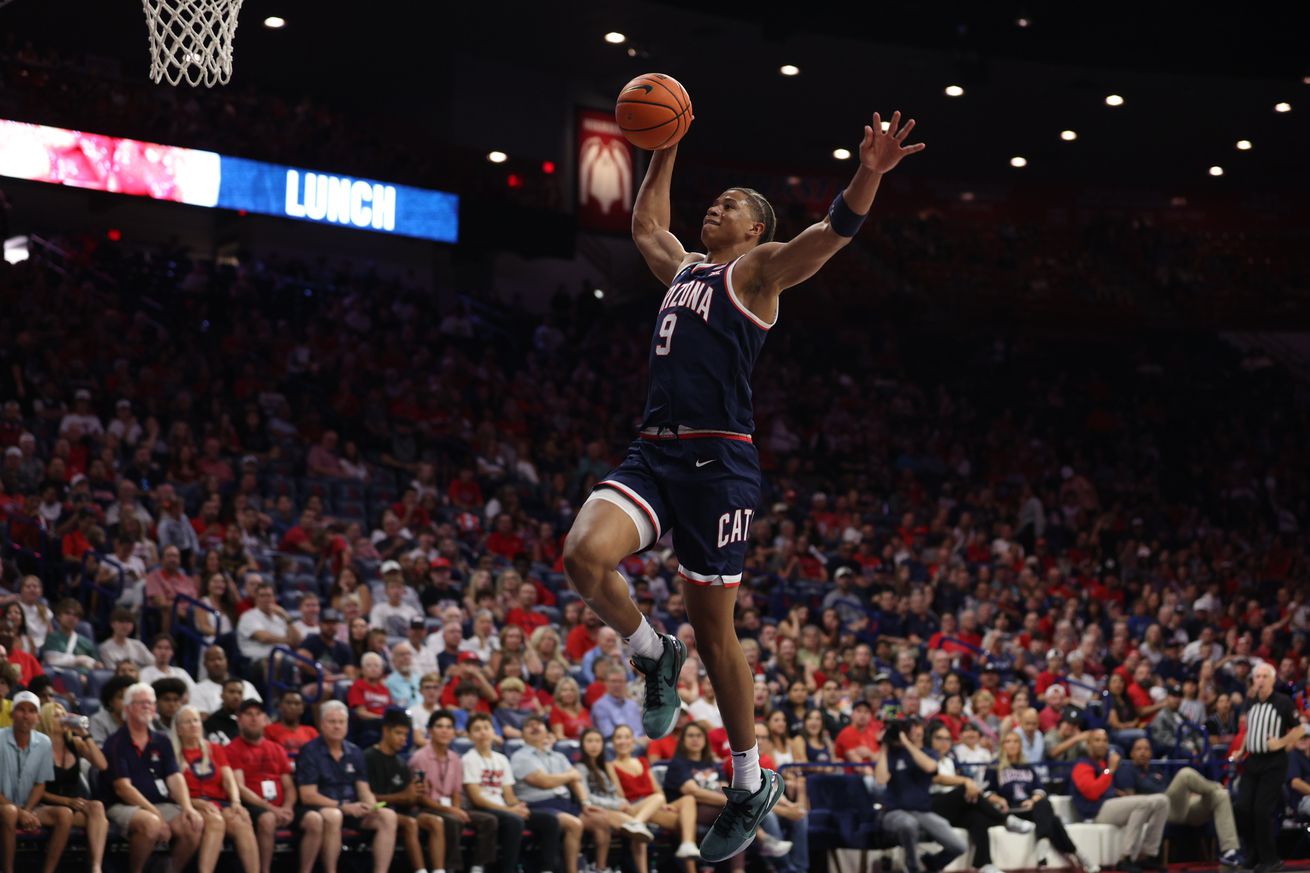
[{"x": 1267, "y": 719}]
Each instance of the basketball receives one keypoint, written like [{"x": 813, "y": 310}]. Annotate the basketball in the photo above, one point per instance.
[{"x": 653, "y": 111}]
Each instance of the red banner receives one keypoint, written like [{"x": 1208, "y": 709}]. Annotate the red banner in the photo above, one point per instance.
[{"x": 604, "y": 172}]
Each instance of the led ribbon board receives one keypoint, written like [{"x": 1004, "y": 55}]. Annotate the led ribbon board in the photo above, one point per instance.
[{"x": 202, "y": 178}]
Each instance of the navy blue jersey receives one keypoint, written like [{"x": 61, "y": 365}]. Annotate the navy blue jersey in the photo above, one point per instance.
[{"x": 702, "y": 354}]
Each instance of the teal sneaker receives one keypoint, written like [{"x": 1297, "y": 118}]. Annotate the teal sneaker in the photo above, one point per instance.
[
  {"x": 662, "y": 702},
  {"x": 735, "y": 827}
]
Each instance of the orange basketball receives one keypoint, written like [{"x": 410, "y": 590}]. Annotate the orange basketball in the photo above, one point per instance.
[{"x": 653, "y": 111}]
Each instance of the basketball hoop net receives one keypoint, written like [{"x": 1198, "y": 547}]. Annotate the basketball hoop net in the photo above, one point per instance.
[{"x": 191, "y": 40}]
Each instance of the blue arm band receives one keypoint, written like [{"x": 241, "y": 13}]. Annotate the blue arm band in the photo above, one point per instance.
[{"x": 844, "y": 221}]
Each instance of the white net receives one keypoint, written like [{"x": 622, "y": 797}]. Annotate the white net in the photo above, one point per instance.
[{"x": 191, "y": 40}]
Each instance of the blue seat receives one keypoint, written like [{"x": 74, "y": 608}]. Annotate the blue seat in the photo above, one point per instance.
[{"x": 842, "y": 814}]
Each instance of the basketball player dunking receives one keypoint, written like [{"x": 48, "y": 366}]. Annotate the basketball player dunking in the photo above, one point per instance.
[{"x": 694, "y": 469}]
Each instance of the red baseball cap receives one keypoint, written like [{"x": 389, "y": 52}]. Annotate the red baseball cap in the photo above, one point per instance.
[{"x": 440, "y": 562}]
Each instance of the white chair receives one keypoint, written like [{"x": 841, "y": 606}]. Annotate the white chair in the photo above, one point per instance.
[{"x": 1012, "y": 851}]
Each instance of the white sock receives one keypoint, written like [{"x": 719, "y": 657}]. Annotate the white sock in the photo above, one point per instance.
[
  {"x": 645, "y": 642},
  {"x": 746, "y": 769}
]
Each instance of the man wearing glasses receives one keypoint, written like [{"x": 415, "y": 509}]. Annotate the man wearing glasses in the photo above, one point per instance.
[{"x": 152, "y": 802}]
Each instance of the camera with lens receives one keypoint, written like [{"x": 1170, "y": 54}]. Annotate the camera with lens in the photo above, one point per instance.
[{"x": 895, "y": 729}]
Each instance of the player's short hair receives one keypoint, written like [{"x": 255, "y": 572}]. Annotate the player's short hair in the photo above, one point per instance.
[{"x": 763, "y": 211}]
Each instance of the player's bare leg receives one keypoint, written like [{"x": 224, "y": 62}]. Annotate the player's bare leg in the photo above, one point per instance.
[{"x": 601, "y": 537}]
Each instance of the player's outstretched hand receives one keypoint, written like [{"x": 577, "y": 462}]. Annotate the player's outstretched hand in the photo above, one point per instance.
[{"x": 882, "y": 150}]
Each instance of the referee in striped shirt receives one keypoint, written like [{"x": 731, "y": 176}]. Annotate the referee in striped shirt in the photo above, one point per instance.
[{"x": 1271, "y": 727}]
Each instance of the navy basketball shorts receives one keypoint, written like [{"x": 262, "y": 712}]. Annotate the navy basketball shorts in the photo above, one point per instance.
[{"x": 704, "y": 490}]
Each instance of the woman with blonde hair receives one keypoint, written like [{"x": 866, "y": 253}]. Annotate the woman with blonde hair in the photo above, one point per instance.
[
  {"x": 568, "y": 717},
  {"x": 69, "y": 744},
  {"x": 214, "y": 793},
  {"x": 1019, "y": 785},
  {"x": 545, "y": 643}
]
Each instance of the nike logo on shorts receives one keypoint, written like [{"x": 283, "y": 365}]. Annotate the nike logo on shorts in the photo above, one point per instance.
[{"x": 703, "y": 463}]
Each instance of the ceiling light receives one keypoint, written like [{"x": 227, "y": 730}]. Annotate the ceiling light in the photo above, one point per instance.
[
  {"x": 954, "y": 91},
  {"x": 615, "y": 38},
  {"x": 789, "y": 70},
  {"x": 497, "y": 157},
  {"x": 1216, "y": 170},
  {"x": 1114, "y": 100},
  {"x": 1282, "y": 107},
  {"x": 598, "y": 293},
  {"x": 1068, "y": 135},
  {"x": 632, "y": 52},
  {"x": 1243, "y": 145},
  {"x": 841, "y": 154},
  {"x": 886, "y": 126},
  {"x": 1022, "y": 22},
  {"x": 274, "y": 22},
  {"x": 1018, "y": 161},
  {"x": 966, "y": 196}
]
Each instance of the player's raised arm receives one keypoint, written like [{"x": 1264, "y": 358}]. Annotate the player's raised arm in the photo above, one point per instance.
[
  {"x": 650, "y": 219},
  {"x": 781, "y": 265}
]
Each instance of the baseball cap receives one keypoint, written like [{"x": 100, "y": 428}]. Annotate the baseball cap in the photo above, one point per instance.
[
  {"x": 882, "y": 677},
  {"x": 418, "y": 623},
  {"x": 329, "y": 615},
  {"x": 14, "y": 450},
  {"x": 440, "y": 562},
  {"x": 1173, "y": 691},
  {"x": 1072, "y": 714},
  {"x": 469, "y": 656},
  {"x": 249, "y": 703},
  {"x": 390, "y": 567},
  {"x": 1054, "y": 653},
  {"x": 27, "y": 697},
  {"x": 843, "y": 571},
  {"x": 991, "y": 667},
  {"x": 81, "y": 394},
  {"x": 862, "y": 703},
  {"x": 249, "y": 459}
]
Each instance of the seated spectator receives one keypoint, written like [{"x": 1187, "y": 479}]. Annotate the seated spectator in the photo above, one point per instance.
[
  {"x": 1142, "y": 818},
  {"x": 1067, "y": 741},
  {"x": 568, "y": 717},
  {"x": 163, "y": 649},
  {"x": 395, "y": 784},
  {"x": 150, "y": 796},
  {"x": 64, "y": 646},
  {"x": 512, "y": 712},
  {"x": 525, "y": 613},
  {"x": 441, "y": 779},
  {"x": 109, "y": 718},
  {"x": 220, "y": 596},
  {"x": 484, "y": 642},
  {"x": 1222, "y": 725},
  {"x": 170, "y": 697},
  {"x": 970, "y": 755},
  {"x": 489, "y": 783},
  {"x": 1164, "y": 727},
  {"x": 69, "y": 746},
  {"x": 603, "y": 794},
  {"x": 331, "y": 652},
  {"x": 404, "y": 680},
  {"x": 214, "y": 792},
  {"x": 549, "y": 784},
  {"x": 1193, "y": 800},
  {"x": 1298, "y": 776},
  {"x": 121, "y": 645},
  {"x": 165, "y": 583},
  {"x": 429, "y": 689},
  {"x": 705, "y": 708},
  {"x": 813, "y": 744},
  {"x": 907, "y": 773},
  {"x": 287, "y": 731},
  {"x": 859, "y": 741},
  {"x": 332, "y": 777},
  {"x": 28, "y": 667},
  {"x": 427, "y": 646},
  {"x": 208, "y": 693},
  {"x": 369, "y": 697},
  {"x": 616, "y": 709},
  {"x": 262, "y": 628},
  {"x": 961, "y": 801},
  {"x": 221, "y": 725},
  {"x": 393, "y": 614},
  {"x": 647, "y": 802},
  {"x": 26, "y": 765},
  {"x": 1030, "y": 734},
  {"x": 268, "y": 791},
  {"x": 1019, "y": 784},
  {"x": 1049, "y": 715}
]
